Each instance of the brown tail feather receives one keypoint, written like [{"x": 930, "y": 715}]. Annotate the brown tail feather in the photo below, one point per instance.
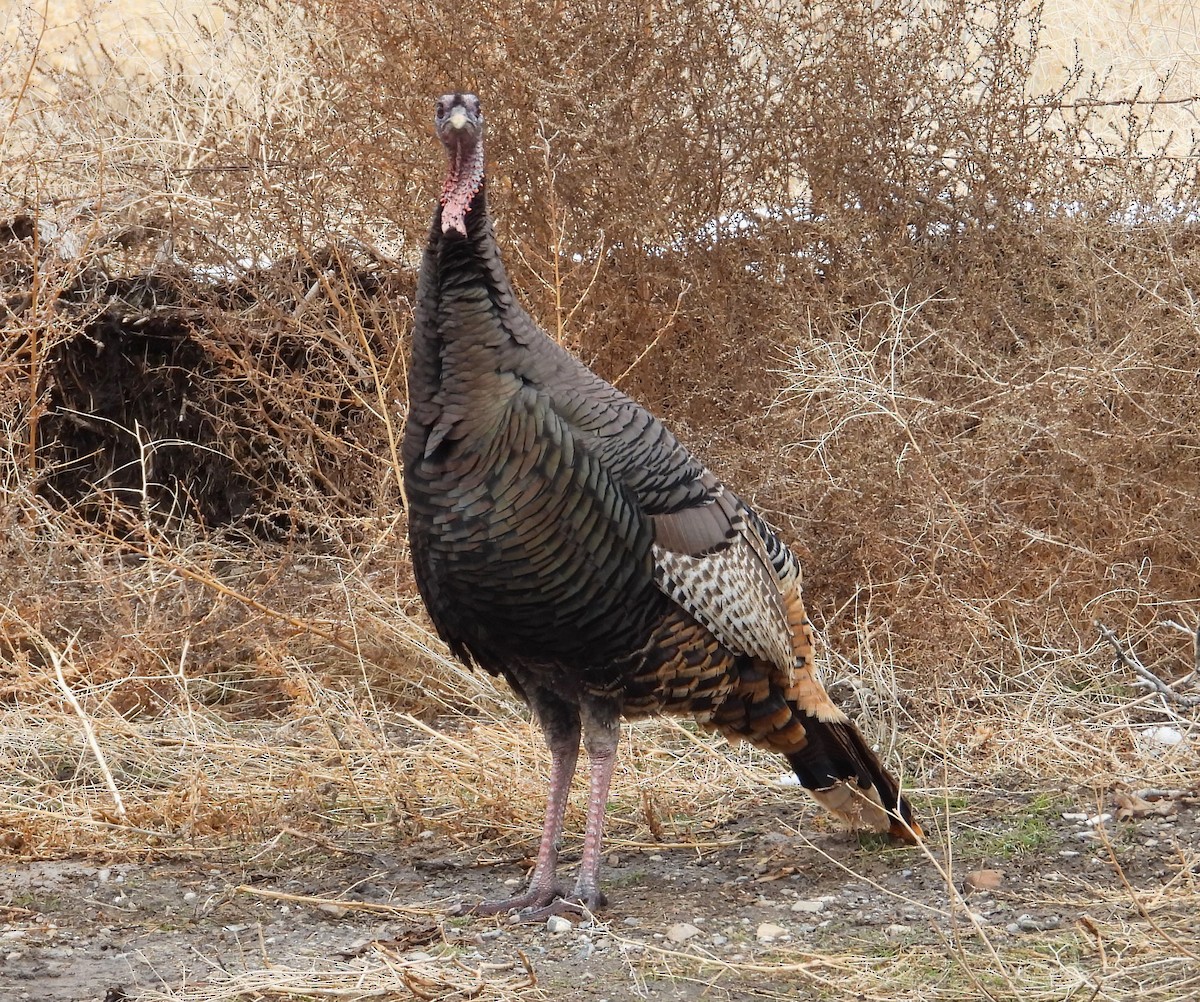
[
  {"x": 831, "y": 760},
  {"x": 846, "y": 777}
]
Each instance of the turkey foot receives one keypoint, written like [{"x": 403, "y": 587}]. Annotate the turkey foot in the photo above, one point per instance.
[
  {"x": 576, "y": 906},
  {"x": 539, "y": 898},
  {"x": 545, "y": 896},
  {"x": 537, "y": 906}
]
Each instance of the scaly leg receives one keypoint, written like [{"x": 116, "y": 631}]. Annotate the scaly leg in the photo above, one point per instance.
[
  {"x": 560, "y": 723},
  {"x": 601, "y": 733}
]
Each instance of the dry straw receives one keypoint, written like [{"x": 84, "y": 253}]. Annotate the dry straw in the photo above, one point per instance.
[{"x": 934, "y": 315}]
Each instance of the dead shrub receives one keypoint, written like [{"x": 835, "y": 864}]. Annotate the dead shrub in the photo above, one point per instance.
[{"x": 935, "y": 324}]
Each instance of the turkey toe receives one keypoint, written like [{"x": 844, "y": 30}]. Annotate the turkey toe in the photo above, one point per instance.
[{"x": 538, "y": 899}]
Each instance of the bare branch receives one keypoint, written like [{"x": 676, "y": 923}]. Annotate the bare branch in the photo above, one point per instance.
[{"x": 1146, "y": 678}]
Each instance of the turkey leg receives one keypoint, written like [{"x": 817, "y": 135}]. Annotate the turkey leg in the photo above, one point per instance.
[
  {"x": 561, "y": 727},
  {"x": 601, "y": 734}
]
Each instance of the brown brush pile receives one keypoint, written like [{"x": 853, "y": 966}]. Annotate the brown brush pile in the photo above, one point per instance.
[
  {"x": 236, "y": 402},
  {"x": 939, "y": 328}
]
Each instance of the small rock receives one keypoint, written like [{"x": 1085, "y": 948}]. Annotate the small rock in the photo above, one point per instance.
[
  {"x": 614, "y": 859},
  {"x": 718, "y": 940},
  {"x": 189, "y": 896},
  {"x": 983, "y": 880},
  {"x": 768, "y": 932},
  {"x": 1027, "y": 923},
  {"x": 811, "y": 907},
  {"x": 1163, "y": 735},
  {"x": 896, "y": 930},
  {"x": 681, "y": 932},
  {"x": 632, "y": 922},
  {"x": 355, "y": 948},
  {"x": 557, "y": 925},
  {"x": 418, "y": 956}
]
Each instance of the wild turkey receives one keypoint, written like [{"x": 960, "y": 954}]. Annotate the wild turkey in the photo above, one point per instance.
[{"x": 562, "y": 538}]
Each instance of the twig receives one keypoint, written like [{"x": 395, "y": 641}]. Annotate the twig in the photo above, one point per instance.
[
  {"x": 327, "y": 904},
  {"x": 1146, "y": 678},
  {"x": 1195, "y": 637},
  {"x": 24, "y": 88},
  {"x": 1113, "y": 102},
  {"x": 85, "y": 722},
  {"x": 657, "y": 336}
]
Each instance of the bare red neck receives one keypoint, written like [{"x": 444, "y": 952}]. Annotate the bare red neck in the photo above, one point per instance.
[{"x": 463, "y": 181}]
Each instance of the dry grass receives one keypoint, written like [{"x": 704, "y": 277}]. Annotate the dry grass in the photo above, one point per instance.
[{"x": 958, "y": 280}]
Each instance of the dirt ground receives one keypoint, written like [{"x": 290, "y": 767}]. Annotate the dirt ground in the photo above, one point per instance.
[{"x": 681, "y": 924}]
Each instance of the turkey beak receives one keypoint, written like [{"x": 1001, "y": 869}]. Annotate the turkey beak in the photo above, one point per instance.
[{"x": 458, "y": 118}]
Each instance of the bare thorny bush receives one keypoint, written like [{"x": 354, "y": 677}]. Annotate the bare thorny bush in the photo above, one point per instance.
[{"x": 938, "y": 326}]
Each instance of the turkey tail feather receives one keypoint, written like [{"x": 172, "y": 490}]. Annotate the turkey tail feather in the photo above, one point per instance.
[
  {"x": 846, "y": 777},
  {"x": 829, "y": 756}
]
